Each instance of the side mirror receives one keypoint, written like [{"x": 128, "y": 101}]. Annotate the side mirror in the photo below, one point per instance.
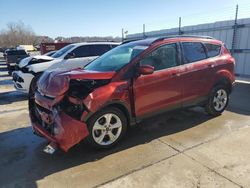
[
  {"x": 146, "y": 69},
  {"x": 70, "y": 55}
]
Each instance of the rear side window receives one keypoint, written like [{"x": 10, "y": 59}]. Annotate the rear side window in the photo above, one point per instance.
[
  {"x": 97, "y": 50},
  {"x": 81, "y": 51},
  {"x": 17, "y": 52},
  {"x": 212, "y": 49},
  {"x": 91, "y": 50},
  {"x": 193, "y": 51},
  {"x": 113, "y": 45}
]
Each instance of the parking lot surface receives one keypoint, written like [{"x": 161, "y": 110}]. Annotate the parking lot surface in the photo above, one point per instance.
[{"x": 186, "y": 148}]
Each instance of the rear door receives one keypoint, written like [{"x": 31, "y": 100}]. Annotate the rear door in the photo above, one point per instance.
[
  {"x": 161, "y": 90},
  {"x": 198, "y": 73}
]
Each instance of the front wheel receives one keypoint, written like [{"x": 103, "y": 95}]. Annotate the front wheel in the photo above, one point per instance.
[
  {"x": 217, "y": 101},
  {"x": 106, "y": 128}
]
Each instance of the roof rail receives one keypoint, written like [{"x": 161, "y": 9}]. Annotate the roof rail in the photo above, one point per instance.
[
  {"x": 131, "y": 40},
  {"x": 184, "y": 36},
  {"x": 166, "y": 37}
]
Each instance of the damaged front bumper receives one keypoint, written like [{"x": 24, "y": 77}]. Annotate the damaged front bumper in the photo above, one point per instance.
[{"x": 51, "y": 122}]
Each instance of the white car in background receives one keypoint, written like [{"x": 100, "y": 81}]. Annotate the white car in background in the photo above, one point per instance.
[{"x": 71, "y": 56}]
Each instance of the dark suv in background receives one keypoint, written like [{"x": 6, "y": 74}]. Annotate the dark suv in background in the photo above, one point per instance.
[
  {"x": 13, "y": 56},
  {"x": 131, "y": 82}
]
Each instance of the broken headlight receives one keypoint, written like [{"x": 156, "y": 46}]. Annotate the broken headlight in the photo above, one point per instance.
[
  {"x": 81, "y": 88},
  {"x": 78, "y": 90}
]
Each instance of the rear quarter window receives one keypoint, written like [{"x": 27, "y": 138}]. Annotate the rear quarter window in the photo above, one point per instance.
[
  {"x": 212, "y": 49},
  {"x": 193, "y": 51}
]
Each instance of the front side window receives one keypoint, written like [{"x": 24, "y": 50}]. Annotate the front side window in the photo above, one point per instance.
[
  {"x": 193, "y": 51},
  {"x": 212, "y": 49},
  {"x": 62, "y": 51},
  {"x": 116, "y": 58},
  {"x": 162, "y": 58}
]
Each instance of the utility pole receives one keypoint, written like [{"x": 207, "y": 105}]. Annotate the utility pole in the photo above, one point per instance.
[{"x": 235, "y": 29}]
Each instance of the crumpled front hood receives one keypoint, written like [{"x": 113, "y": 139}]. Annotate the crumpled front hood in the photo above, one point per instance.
[
  {"x": 26, "y": 61},
  {"x": 56, "y": 83}
]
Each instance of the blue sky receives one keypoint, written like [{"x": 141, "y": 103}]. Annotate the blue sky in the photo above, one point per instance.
[{"x": 106, "y": 18}]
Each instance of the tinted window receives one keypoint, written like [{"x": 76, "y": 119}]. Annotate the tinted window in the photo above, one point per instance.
[
  {"x": 97, "y": 50},
  {"x": 81, "y": 51},
  {"x": 114, "y": 45},
  {"x": 17, "y": 52},
  {"x": 62, "y": 51},
  {"x": 212, "y": 50},
  {"x": 163, "y": 57},
  {"x": 193, "y": 51}
]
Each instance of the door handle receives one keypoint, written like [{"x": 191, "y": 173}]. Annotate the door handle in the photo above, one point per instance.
[
  {"x": 175, "y": 74},
  {"x": 211, "y": 65}
]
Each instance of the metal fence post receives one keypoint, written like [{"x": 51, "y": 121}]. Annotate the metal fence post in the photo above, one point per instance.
[
  {"x": 143, "y": 30},
  {"x": 180, "y": 32},
  {"x": 235, "y": 30},
  {"x": 122, "y": 34}
]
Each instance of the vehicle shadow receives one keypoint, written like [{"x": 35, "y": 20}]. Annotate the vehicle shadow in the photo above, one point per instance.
[
  {"x": 3, "y": 69},
  {"x": 239, "y": 99},
  {"x": 12, "y": 96},
  {"x": 22, "y": 150},
  {"x": 6, "y": 82}
]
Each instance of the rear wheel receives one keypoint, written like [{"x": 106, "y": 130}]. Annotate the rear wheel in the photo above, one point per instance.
[
  {"x": 106, "y": 128},
  {"x": 218, "y": 100}
]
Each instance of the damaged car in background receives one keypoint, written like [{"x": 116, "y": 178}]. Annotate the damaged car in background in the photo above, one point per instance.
[
  {"x": 22, "y": 76},
  {"x": 131, "y": 82},
  {"x": 71, "y": 56}
]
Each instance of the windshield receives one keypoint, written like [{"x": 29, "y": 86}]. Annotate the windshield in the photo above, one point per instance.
[
  {"x": 62, "y": 51},
  {"x": 116, "y": 58}
]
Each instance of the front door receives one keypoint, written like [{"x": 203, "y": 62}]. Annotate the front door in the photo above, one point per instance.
[{"x": 161, "y": 90}]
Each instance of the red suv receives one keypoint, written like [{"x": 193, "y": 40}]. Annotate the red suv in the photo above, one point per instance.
[{"x": 133, "y": 81}]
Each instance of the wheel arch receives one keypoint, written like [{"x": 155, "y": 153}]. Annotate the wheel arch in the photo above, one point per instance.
[
  {"x": 224, "y": 77},
  {"x": 119, "y": 105},
  {"x": 223, "y": 80}
]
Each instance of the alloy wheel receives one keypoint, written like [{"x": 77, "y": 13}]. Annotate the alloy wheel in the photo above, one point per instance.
[{"x": 107, "y": 129}]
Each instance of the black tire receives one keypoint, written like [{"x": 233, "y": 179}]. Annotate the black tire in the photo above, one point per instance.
[
  {"x": 9, "y": 70},
  {"x": 98, "y": 116},
  {"x": 33, "y": 85},
  {"x": 32, "y": 89},
  {"x": 211, "y": 107}
]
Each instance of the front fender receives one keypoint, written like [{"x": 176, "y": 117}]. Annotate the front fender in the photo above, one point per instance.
[{"x": 113, "y": 93}]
